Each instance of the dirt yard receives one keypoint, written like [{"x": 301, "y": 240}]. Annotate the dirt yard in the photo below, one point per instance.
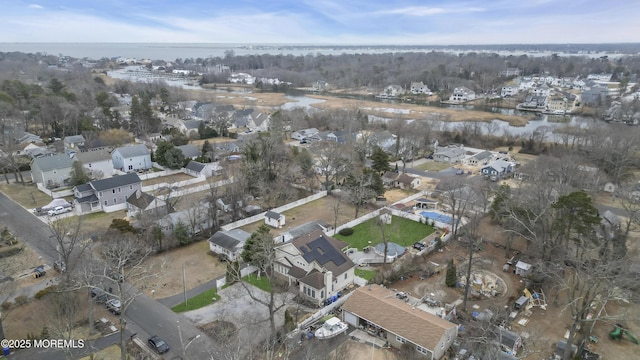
[
  {"x": 170, "y": 179},
  {"x": 356, "y": 351},
  {"x": 545, "y": 327},
  {"x": 199, "y": 267}
]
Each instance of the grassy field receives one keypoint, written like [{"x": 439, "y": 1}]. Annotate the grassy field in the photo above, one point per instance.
[
  {"x": 109, "y": 353},
  {"x": 170, "y": 179},
  {"x": 433, "y": 166},
  {"x": 365, "y": 274},
  {"x": 261, "y": 283},
  {"x": 99, "y": 221},
  {"x": 401, "y": 231},
  {"x": 198, "y": 301},
  {"x": 26, "y": 195}
]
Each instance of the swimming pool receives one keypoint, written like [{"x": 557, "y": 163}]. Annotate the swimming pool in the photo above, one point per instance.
[{"x": 436, "y": 216}]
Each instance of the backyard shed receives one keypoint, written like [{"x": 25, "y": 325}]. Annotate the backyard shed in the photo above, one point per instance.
[{"x": 522, "y": 268}]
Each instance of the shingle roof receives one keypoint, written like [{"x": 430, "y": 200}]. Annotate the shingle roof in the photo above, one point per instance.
[
  {"x": 272, "y": 215},
  {"x": 189, "y": 150},
  {"x": 140, "y": 199},
  {"x": 73, "y": 139},
  {"x": 195, "y": 166},
  {"x": 324, "y": 250},
  {"x": 57, "y": 161},
  {"x": 99, "y": 154},
  {"x": 112, "y": 182},
  {"x": 133, "y": 150},
  {"x": 380, "y": 306},
  {"x": 315, "y": 279},
  {"x": 307, "y": 228},
  {"x": 90, "y": 198},
  {"x": 229, "y": 239},
  {"x": 83, "y": 187}
]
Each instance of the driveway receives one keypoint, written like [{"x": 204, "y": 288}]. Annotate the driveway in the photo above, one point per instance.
[{"x": 250, "y": 317}]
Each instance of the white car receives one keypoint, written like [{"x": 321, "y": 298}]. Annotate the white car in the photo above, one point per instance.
[{"x": 58, "y": 210}]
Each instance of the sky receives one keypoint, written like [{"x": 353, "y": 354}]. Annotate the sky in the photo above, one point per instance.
[{"x": 348, "y": 22}]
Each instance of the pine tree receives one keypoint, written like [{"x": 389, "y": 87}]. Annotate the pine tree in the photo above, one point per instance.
[{"x": 451, "y": 278}]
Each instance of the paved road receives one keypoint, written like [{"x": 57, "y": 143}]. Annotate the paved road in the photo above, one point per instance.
[{"x": 145, "y": 316}]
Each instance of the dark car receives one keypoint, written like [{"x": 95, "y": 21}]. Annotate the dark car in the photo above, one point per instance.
[
  {"x": 419, "y": 246},
  {"x": 159, "y": 345}
]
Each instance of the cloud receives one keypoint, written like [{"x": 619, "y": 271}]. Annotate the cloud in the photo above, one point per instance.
[
  {"x": 35, "y": 6},
  {"x": 428, "y": 11}
]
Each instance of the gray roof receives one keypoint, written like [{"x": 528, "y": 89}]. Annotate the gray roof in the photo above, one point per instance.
[
  {"x": 83, "y": 187},
  {"x": 324, "y": 250},
  {"x": 195, "y": 166},
  {"x": 315, "y": 279},
  {"x": 273, "y": 215},
  {"x": 86, "y": 199},
  {"x": 133, "y": 151},
  {"x": 140, "y": 199},
  {"x": 307, "y": 228},
  {"x": 98, "y": 154},
  {"x": 191, "y": 124},
  {"x": 483, "y": 155},
  {"x": 73, "y": 139},
  {"x": 113, "y": 182},
  {"x": 189, "y": 150},
  {"x": 57, "y": 161},
  {"x": 229, "y": 239}
]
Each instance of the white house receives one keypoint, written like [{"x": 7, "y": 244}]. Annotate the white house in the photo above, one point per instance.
[
  {"x": 304, "y": 133},
  {"x": 196, "y": 169},
  {"x": 462, "y": 94},
  {"x": 52, "y": 171},
  {"x": 131, "y": 158},
  {"x": 509, "y": 91},
  {"x": 228, "y": 244},
  {"x": 73, "y": 142},
  {"x": 274, "y": 219},
  {"x": 97, "y": 162},
  {"x": 392, "y": 91},
  {"x": 420, "y": 88}
]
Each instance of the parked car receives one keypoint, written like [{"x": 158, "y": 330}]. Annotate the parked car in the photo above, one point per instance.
[
  {"x": 39, "y": 272},
  {"x": 99, "y": 295},
  {"x": 459, "y": 172},
  {"x": 58, "y": 210},
  {"x": 419, "y": 246},
  {"x": 159, "y": 345},
  {"x": 114, "y": 306},
  {"x": 60, "y": 266}
]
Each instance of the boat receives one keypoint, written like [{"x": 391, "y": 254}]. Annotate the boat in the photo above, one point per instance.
[{"x": 331, "y": 328}]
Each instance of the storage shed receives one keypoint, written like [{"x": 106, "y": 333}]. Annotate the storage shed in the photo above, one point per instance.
[{"x": 522, "y": 268}]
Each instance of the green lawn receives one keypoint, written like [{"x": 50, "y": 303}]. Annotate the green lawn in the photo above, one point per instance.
[
  {"x": 433, "y": 166},
  {"x": 198, "y": 301},
  {"x": 261, "y": 283},
  {"x": 365, "y": 274},
  {"x": 401, "y": 231}
]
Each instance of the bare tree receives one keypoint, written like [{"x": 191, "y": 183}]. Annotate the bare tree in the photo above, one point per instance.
[
  {"x": 70, "y": 244},
  {"x": 331, "y": 164}
]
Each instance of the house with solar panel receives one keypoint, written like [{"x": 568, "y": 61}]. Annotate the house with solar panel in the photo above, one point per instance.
[
  {"x": 228, "y": 245},
  {"x": 316, "y": 264}
]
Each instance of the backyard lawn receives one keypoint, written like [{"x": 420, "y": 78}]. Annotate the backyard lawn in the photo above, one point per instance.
[
  {"x": 401, "y": 231},
  {"x": 365, "y": 274},
  {"x": 433, "y": 166},
  {"x": 261, "y": 283},
  {"x": 198, "y": 301},
  {"x": 26, "y": 195}
]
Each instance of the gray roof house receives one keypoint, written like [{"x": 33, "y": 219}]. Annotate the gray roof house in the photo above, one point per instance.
[
  {"x": 304, "y": 133},
  {"x": 302, "y": 230},
  {"x": 188, "y": 127},
  {"x": 106, "y": 195},
  {"x": 317, "y": 264},
  {"x": 498, "y": 168},
  {"x": 73, "y": 142},
  {"x": 195, "y": 219},
  {"x": 228, "y": 244},
  {"x": 480, "y": 158},
  {"x": 131, "y": 158},
  {"x": 143, "y": 203},
  {"x": 97, "y": 162},
  {"x": 189, "y": 151},
  {"x": 196, "y": 169},
  {"x": 52, "y": 171},
  {"x": 27, "y": 137},
  {"x": 449, "y": 154}
]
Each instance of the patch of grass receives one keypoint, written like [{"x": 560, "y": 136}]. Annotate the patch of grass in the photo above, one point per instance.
[
  {"x": 433, "y": 166},
  {"x": 109, "y": 353},
  {"x": 401, "y": 231},
  {"x": 26, "y": 195},
  {"x": 261, "y": 283},
  {"x": 100, "y": 220},
  {"x": 365, "y": 274},
  {"x": 198, "y": 301}
]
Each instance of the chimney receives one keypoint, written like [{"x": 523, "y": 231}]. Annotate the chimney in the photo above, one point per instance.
[{"x": 138, "y": 194}]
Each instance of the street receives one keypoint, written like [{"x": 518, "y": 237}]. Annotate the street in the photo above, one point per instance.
[{"x": 145, "y": 316}]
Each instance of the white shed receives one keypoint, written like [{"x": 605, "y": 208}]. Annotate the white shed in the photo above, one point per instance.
[
  {"x": 274, "y": 219},
  {"x": 522, "y": 268}
]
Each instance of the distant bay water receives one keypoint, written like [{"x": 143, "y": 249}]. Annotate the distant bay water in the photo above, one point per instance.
[{"x": 172, "y": 51}]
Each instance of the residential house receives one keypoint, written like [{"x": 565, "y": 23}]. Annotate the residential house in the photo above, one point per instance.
[
  {"x": 532, "y": 102},
  {"x": 302, "y": 230},
  {"x": 420, "y": 88},
  {"x": 509, "y": 91},
  {"x": 195, "y": 219},
  {"x": 97, "y": 162},
  {"x": 108, "y": 194},
  {"x": 404, "y": 181},
  {"x": 383, "y": 139},
  {"x": 338, "y": 136},
  {"x": 316, "y": 264},
  {"x": 188, "y": 127},
  {"x": 52, "y": 171},
  {"x": 196, "y": 169},
  {"x": 600, "y": 77},
  {"x": 319, "y": 85},
  {"x": 241, "y": 119},
  {"x": 142, "y": 203},
  {"x": 498, "y": 168},
  {"x": 74, "y": 142},
  {"x": 259, "y": 121},
  {"x": 274, "y": 219},
  {"x": 27, "y": 137},
  {"x": 594, "y": 94},
  {"x": 379, "y": 312},
  {"x": 480, "y": 158},
  {"x": 559, "y": 104},
  {"x": 131, "y": 158},
  {"x": 33, "y": 150},
  {"x": 451, "y": 154},
  {"x": 609, "y": 187},
  {"x": 462, "y": 94},
  {"x": 542, "y": 90},
  {"x": 303, "y": 134},
  {"x": 228, "y": 244},
  {"x": 392, "y": 91},
  {"x": 189, "y": 151}
]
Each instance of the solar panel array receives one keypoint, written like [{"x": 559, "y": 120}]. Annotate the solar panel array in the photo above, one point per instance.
[{"x": 322, "y": 251}]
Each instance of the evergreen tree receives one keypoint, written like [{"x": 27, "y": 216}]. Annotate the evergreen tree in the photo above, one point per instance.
[
  {"x": 451, "y": 277},
  {"x": 380, "y": 160},
  {"x": 78, "y": 175}
]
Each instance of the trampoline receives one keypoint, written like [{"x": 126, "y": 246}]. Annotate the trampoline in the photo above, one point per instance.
[{"x": 436, "y": 216}]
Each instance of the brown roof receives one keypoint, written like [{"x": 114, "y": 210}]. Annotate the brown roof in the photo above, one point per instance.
[
  {"x": 405, "y": 179},
  {"x": 381, "y": 307},
  {"x": 140, "y": 199},
  {"x": 330, "y": 257},
  {"x": 315, "y": 279}
]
